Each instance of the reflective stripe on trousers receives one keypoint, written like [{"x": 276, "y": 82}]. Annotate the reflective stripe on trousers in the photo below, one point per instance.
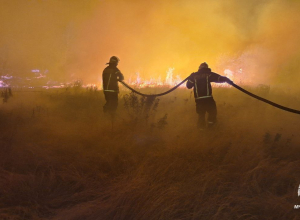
[{"x": 203, "y": 97}]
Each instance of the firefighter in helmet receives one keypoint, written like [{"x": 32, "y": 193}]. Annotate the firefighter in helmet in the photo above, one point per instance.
[
  {"x": 205, "y": 102},
  {"x": 110, "y": 77}
]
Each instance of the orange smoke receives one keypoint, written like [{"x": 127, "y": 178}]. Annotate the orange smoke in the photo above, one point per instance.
[{"x": 74, "y": 39}]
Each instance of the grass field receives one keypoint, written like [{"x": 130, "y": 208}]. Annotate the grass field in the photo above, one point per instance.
[{"x": 62, "y": 158}]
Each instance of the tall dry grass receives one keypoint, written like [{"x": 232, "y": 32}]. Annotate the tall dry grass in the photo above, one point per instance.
[{"x": 61, "y": 157}]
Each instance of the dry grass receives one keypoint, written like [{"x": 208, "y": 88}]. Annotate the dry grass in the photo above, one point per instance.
[{"x": 61, "y": 158}]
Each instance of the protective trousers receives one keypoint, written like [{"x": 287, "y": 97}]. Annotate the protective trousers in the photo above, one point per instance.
[
  {"x": 111, "y": 102},
  {"x": 206, "y": 105}
]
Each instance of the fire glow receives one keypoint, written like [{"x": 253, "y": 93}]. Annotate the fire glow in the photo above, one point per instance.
[
  {"x": 169, "y": 81},
  {"x": 172, "y": 80}
]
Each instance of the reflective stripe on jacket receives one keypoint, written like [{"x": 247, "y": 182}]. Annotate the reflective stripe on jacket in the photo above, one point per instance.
[
  {"x": 110, "y": 77},
  {"x": 201, "y": 82}
]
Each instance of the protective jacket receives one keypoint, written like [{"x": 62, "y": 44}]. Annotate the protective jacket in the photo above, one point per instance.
[
  {"x": 111, "y": 75},
  {"x": 201, "y": 82}
]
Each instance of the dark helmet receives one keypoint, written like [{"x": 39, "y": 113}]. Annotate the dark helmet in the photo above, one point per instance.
[
  {"x": 113, "y": 60},
  {"x": 203, "y": 65}
]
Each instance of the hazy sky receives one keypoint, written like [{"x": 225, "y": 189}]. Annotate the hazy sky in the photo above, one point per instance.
[{"x": 75, "y": 38}]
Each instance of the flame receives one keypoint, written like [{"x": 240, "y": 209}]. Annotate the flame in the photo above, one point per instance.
[
  {"x": 3, "y": 84},
  {"x": 170, "y": 80}
]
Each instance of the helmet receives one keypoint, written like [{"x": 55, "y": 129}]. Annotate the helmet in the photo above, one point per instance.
[
  {"x": 113, "y": 60},
  {"x": 203, "y": 65}
]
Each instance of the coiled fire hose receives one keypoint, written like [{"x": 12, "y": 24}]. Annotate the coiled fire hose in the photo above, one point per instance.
[{"x": 230, "y": 83}]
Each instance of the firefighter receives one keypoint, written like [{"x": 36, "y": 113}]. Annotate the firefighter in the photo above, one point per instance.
[
  {"x": 205, "y": 102},
  {"x": 110, "y": 77}
]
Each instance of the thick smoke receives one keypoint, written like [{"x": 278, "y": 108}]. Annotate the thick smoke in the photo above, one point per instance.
[{"x": 74, "y": 39}]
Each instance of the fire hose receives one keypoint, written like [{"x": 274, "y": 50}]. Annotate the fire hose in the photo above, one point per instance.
[
  {"x": 265, "y": 100},
  {"x": 151, "y": 95},
  {"x": 230, "y": 83}
]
